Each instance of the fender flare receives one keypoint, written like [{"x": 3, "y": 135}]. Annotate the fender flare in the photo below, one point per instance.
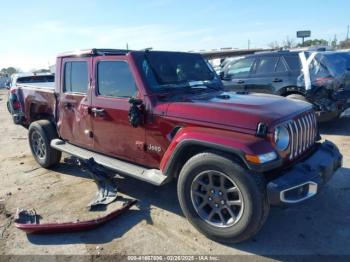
[
  {"x": 181, "y": 147},
  {"x": 170, "y": 164}
]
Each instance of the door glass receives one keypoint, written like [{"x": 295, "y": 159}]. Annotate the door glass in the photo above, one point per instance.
[
  {"x": 280, "y": 66},
  {"x": 115, "y": 79},
  {"x": 67, "y": 77},
  {"x": 293, "y": 62},
  {"x": 240, "y": 68},
  {"x": 76, "y": 77},
  {"x": 266, "y": 65}
]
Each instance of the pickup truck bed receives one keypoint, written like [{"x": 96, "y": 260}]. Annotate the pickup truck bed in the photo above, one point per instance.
[{"x": 37, "y": 101}]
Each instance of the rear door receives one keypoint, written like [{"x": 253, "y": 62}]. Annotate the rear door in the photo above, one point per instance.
[
  {"x": 74, "y": 119},
  {"x": 269, "y": 76},
  {"x": 114, "y": 85},
  {"x": 237, "y": 73}
]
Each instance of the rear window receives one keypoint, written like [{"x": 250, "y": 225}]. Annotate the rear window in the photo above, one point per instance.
[
  {"x": 293, "y": 62},
  {"x": 280, "y": 67},
  {"x": 266, "y": 65},
  {"x": 76, "y": 77},
  {"x": 36, "y": 79}
]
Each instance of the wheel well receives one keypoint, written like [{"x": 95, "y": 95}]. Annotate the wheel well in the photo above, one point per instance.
[
  {"x": 287, "y": 93},
  {"x": 39, "y": 112},
  {"x": 191, "y": 150}
]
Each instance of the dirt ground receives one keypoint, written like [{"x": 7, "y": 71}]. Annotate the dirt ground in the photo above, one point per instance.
[{"x": 321, "y": 226}]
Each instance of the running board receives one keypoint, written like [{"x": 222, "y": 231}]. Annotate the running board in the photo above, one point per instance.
[{"x": 153, "y": 176}]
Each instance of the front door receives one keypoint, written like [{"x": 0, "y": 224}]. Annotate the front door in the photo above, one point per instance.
[
  {"x": 74, "y": 122},
  {"x": 237, "y": 74},
  {"x": 114, "y": 84}
]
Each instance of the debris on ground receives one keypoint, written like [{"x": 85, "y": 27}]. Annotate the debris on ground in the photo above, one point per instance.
[
  {"x": 28, "y": 221},
  {"x": 5, "y": 220},
  {"x": 107, "y": 189}
]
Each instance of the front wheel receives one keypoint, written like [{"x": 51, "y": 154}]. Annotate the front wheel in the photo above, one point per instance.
[
  {"x": 221, "y": 199},
  {"x": 40, "y": 135}
]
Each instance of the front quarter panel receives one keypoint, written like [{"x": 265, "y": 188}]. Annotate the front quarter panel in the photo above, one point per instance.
[{"x": 231, "y": 142}]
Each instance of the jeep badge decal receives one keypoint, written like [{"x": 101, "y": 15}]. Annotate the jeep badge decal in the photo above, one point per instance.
[{"x": 154, "y": 148}]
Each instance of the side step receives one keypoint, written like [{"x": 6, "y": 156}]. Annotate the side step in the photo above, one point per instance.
[{"x": 153, "y": 176}]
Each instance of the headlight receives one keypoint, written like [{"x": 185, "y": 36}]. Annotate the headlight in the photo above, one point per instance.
[{"x": 281, "y": 138}]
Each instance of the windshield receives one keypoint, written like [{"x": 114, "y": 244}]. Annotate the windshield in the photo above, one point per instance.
[
  {"x": 172, "y": 70},
  {"x": 337, "y": 63},
  {"x": 36, "y": 79}
]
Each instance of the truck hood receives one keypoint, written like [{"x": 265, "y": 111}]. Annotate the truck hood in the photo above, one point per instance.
[{"x": 242, "y": 111}]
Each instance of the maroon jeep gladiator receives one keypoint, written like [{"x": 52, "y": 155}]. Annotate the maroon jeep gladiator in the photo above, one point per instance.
[{"x": 156, "y": 116}]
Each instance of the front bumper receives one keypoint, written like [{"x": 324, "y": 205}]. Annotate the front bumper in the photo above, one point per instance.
[{"x": 305, "y": 178}]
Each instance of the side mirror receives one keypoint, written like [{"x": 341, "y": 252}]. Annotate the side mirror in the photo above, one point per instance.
[
  {"x": 135, "y": 112},
  {"x": 222, "y": 75}
]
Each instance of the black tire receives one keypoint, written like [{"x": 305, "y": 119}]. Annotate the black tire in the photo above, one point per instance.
[
  {"x": 298, "y": 97},
  {"x": 8, "y": 107},
  {"x": 45, "y": 130},
  {"x": 253, "y": 192}
]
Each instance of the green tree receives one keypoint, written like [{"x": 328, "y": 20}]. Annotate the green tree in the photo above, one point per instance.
[
  {"x": 9, "y": 71},
  {"x": 313, "y": 42}
]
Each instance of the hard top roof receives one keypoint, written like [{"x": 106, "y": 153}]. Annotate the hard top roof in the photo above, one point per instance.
[
  {"x": 108, "y": 52},
  {"x": 94, "y": 52}
]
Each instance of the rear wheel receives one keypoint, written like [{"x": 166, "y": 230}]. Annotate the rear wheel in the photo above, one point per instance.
[
  {"x": 8, "y": 106},
  {"x": 40, "y": 135},
  {"x": 221, "y": 199}
]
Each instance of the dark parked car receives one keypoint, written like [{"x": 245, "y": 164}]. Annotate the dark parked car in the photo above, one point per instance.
[{"x": 321, "y": 78}]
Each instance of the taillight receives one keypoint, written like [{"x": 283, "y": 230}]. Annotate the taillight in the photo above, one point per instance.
[{"x": 16, "y": 105}]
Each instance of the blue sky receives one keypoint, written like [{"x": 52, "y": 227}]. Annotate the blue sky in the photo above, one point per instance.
[{"x": 33, "y": 32}]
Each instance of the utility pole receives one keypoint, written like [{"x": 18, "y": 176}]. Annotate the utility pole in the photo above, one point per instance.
[{"x": 248, "y": 44}]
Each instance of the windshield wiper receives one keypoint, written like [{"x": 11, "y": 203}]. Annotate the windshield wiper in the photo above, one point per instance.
[{"x": 190, "y": 85}]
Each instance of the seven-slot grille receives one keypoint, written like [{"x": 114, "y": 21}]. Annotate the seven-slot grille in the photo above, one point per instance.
[{"x": 303, "y": 132}]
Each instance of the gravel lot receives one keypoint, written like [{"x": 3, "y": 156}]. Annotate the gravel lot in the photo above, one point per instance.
[{"x": 156, "y": 225}]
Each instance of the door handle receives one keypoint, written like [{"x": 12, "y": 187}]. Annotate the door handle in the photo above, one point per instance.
[
  {"x": 240, "y": 81},
  {"x": 277, "y": 80},
  {"x": 98, "y": 111}
]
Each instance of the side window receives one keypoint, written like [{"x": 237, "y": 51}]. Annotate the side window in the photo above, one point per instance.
[
  {"x": 293, "y": 62},
  {"x": 266, "y": 65},
  {"x": 281, "y": 67},
  {"x": 115, "y": 79},
  {"x": 240, "y": 68},
  {"x": 76, "y": 77}
]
